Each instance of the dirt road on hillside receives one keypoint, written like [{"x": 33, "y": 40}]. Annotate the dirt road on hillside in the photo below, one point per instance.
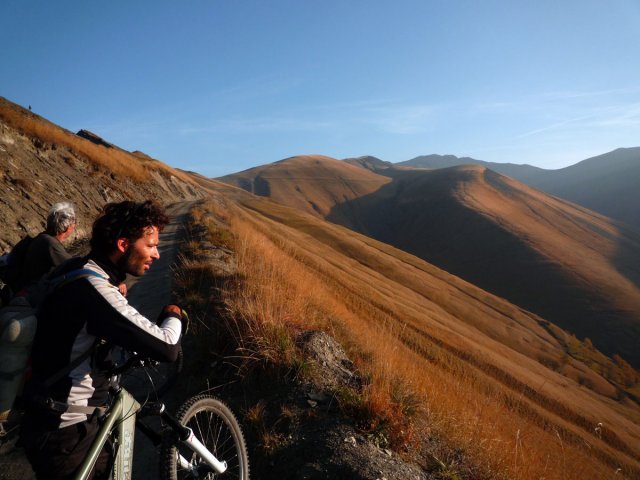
[
  {"x": 152, "y": 291},
  {"x": 148, "y": 294}
]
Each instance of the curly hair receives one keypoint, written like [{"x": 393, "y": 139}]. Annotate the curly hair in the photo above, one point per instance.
[{"x": 125, "y": 220}]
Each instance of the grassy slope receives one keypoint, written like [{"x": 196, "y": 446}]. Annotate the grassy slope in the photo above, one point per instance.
[
  {"x": 505, "y": 237},
  {"x": 312, "y": 183},
  {"x": 476, "y": 359},
  {"x": 568, "y": 264}
]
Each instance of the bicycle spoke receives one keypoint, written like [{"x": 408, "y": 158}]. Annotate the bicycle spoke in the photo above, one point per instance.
[{"x": 217, "y": 429}]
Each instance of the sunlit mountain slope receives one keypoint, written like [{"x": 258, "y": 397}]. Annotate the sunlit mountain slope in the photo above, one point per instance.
[
  {"x": 606, "y": 183},
  {"x": 564, "y": 262},
  {"x": 312, "y": 183},
  {"x": 471, "y": 355}
]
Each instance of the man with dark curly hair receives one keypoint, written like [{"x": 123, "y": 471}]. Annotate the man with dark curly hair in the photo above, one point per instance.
[{"x": 79, "y": 325}]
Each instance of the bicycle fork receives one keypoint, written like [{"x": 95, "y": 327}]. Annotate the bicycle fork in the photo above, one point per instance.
[
  {"x": 186, "y": 436},
  {"x": 195, "y": 445}
]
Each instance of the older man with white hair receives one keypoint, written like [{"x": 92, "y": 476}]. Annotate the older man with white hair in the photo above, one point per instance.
[{"x": 46, "y": 250}]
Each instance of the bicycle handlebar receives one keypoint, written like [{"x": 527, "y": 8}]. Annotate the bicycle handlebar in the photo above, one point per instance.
[{"x": 134, "y": 361}]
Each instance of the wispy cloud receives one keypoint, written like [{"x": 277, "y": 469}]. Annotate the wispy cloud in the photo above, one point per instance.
[
  {"x": 279, "y": 124},
  {"x": 554, "y": 126},
  {"x": 552, "y": 100},
  {"x": 401, "y": 119},
  {"x": 627, "y": 115},
  {"x": 577, "y": 94},
  {"x": 258, "y": 87},
  {"x": 383, "y": 115}
]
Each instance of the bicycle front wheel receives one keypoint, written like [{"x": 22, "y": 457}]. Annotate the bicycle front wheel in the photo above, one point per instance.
[{"x": 216, "y": 427}]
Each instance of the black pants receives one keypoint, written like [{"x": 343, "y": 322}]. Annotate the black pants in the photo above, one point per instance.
[{"x": 57, "y": 454}]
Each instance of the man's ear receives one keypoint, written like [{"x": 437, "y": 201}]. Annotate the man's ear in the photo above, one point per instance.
[{"x": 122, "y": 244}]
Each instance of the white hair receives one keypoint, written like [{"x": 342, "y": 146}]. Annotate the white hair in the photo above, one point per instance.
[{"x": 61, "y": 216}]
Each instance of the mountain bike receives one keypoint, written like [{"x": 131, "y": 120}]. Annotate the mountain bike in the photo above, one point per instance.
[{"x": 203, "y": 440}]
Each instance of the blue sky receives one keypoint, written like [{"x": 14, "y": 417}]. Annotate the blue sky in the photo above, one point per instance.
[{"x": 220, "y": 86}]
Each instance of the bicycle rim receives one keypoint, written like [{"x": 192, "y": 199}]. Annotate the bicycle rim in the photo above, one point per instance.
[{"x": 216, "y": 427}]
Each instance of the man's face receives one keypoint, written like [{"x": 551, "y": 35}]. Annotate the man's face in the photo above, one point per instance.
[
  {"x": 67, "y": 233},
  {"x": 141, "y": 253}
]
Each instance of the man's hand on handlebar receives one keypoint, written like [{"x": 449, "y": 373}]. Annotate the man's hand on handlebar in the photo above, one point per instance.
[
  {"x": 172, "y": 309},
  {"x": 175, "y": 310}
]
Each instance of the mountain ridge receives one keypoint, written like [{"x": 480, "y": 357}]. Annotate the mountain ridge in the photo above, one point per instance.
[
  {"x": 487, "y": 228},
  {"x": 606, "y": 183}
]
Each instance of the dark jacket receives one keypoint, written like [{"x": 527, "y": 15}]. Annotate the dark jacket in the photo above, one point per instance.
[{"x": 44, "y": 254}]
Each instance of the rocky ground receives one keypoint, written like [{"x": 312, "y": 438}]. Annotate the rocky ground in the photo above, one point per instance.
[{"x": 315, "y": 440}]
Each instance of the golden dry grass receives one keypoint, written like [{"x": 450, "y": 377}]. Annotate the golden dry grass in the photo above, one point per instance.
[
  {"x": 115, "y": 160},
  {"x": 311, "y": 183},
  {"x": 435, "y": 373}
]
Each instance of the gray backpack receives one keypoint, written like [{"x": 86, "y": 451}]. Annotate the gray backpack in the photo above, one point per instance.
[{"x": 18, "y": 323}]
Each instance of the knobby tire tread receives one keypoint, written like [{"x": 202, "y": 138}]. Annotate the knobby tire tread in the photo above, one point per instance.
[{"x": 188, "y": 410}]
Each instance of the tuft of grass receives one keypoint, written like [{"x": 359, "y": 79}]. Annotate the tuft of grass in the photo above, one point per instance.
[{"x": 615, "y": 369}]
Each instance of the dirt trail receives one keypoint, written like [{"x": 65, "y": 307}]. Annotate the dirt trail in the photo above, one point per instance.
[{"x": 148, "y": 294}]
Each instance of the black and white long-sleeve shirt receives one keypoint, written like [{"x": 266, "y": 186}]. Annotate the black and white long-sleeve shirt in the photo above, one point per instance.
[{"x": 77, "y": 315}]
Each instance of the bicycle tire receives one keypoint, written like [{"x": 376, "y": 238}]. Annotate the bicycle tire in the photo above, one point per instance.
[{"x": 215, "y": 425}]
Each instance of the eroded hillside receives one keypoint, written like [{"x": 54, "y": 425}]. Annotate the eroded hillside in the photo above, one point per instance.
[{"x": 41, "y": 163}]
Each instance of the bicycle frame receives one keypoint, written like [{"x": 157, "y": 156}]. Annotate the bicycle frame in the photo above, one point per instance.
[
  {"x": 122, "y": 415},
  {"x": 123, "y": 410}
]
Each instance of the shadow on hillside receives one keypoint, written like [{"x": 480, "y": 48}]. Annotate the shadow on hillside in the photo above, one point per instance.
[
  {"x": 419, "y": 214},
  {"x": 627, "y": 262},
  {"x": 627, "y": 258}
]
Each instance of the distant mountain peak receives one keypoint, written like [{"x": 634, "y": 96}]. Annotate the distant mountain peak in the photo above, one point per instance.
[{"x": 369, "y": 162}]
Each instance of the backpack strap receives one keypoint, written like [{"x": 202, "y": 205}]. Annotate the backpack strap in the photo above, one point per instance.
[
  {"x": 61, "y": 280},
  {"x": 60, "y": 407}
]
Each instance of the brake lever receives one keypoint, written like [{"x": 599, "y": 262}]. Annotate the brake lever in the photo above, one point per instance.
[{"x": 134, "y": 361}]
